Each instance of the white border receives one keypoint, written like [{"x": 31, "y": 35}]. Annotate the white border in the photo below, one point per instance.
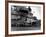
[{"x": 23, "y": 32}]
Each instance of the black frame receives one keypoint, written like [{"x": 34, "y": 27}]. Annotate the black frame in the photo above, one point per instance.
[{"x": 6, "y": 17}]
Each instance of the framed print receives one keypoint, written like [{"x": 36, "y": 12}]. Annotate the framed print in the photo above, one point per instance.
[{"x": 24, "y": 18}]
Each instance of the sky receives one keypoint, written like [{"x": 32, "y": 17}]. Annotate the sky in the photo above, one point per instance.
[{"x": 36, "y": 11}]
